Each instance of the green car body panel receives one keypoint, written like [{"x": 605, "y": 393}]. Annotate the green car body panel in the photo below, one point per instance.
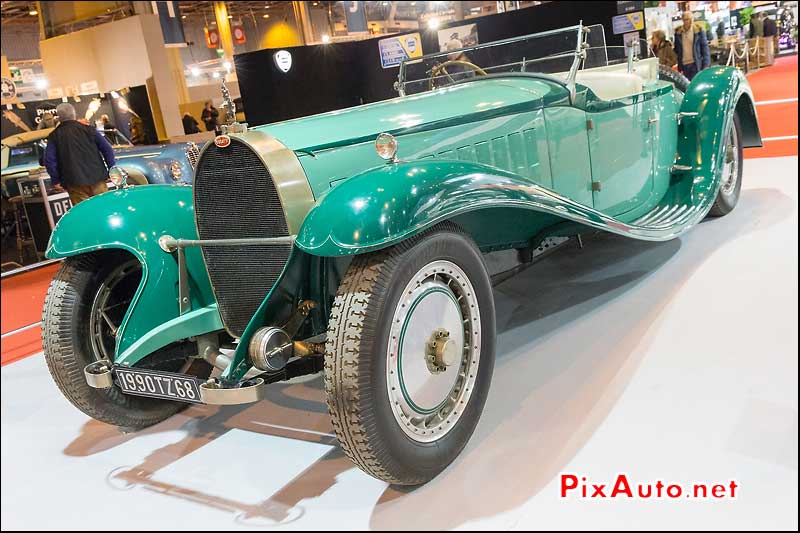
[
  {"x": 509, "y": 158},
  {"x": 133, "y": 220}
]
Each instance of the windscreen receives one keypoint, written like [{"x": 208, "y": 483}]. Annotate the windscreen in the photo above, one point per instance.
[{"x": 552, "y": 52}]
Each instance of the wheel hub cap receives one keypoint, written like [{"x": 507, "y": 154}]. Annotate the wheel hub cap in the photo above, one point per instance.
[{"x": 433, "y": 351}]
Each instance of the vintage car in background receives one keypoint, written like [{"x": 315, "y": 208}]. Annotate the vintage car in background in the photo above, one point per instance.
[
  {"x": 362, "y": 244},
  {"x": 154, "y": 164}
]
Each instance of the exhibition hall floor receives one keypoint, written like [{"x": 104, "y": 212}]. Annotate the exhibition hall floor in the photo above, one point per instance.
[{"x": 674, "y": 361}]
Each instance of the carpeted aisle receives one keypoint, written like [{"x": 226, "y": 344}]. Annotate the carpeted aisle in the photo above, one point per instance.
[
  {"x": 22, "y": 302},
  {"x": 775, "y": 90}
]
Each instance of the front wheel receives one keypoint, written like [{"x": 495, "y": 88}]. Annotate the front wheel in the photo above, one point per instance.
[
  {"x": 409, "y": 355},
  {"x": 84, "y": 307}
]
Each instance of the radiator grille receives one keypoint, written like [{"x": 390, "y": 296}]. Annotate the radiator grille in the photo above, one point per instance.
[
  {"x": 193, "y": 153},
  {"x": 235, "y": 197}
]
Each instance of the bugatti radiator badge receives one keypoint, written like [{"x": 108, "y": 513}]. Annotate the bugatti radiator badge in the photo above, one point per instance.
[{"x": 222, "y": 141}]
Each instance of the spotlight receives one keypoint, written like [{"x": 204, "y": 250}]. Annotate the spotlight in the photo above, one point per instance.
[
  {"x": 215, "y": 75},
  {"x": 33, "y": 12},
  {"x": 433, "y": 23},
  {"x": 326, "y": 39},
  {"x": 195, "y": 72},
  {"x": 266, "y": 15},
  {"x": 227, "y": 65}
]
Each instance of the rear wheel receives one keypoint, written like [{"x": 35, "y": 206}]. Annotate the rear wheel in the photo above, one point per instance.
[
  {"x": 83, "y": 310},
  {"x": 731, "y": 182},
  {"x": 409, "y": 355}
]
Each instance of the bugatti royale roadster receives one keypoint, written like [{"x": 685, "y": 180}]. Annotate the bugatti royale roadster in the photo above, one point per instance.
[{"x": 355, "y": 243}]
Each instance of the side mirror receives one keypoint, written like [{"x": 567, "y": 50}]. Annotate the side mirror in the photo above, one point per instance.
[{"x": 119, "y": 177}]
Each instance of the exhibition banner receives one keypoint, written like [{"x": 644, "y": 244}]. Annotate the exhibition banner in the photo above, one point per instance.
[
  {"x": 394, "y": 50},
  {"x": 169, "y": 15},
  {"x": 458, "y": 37},
  {"x": 628, "y": 22},
  {"x": 356, "y": 17}
]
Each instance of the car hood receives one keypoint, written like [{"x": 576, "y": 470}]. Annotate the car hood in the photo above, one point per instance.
[{"x": 476, "y": 100}]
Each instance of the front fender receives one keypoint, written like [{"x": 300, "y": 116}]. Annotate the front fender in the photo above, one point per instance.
[
  {"x": 716, "y": 94},
  {"x": 133, "y": 220}
]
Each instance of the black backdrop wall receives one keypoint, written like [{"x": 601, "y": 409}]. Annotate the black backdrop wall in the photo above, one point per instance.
[{"x": 335, "y": 76}]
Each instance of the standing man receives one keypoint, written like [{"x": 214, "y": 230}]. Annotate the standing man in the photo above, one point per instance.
[
  {"x": 691, "y": 46},
  {"x": 77, "y": 157},
  {"x": 210, "y": 116},
  {"x": 771, "y": 36}
]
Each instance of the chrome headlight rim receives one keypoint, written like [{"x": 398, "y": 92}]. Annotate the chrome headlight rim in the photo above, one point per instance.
[
  {"x": 386, "y": 147},
  {"x": 118, "y": 176},
  {"x": 176, "y": 170}
]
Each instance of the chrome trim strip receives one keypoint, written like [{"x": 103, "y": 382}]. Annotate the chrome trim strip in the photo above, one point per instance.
[{"x": 170, "y": 244}]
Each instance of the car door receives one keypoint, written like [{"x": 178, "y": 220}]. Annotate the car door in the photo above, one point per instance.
[{"x": 621, "y": 147}]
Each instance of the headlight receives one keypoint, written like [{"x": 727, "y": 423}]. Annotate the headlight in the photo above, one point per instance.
[
  {"x": 176, "y": 170},
  {"x": 386, "y": 146},
  {"x": 118, "y": 176}
]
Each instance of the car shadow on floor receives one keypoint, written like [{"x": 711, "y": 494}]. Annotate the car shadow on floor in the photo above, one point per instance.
[{"x": 571, "y": 334}]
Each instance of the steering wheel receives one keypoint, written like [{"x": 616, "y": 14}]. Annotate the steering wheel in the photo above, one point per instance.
[{"x": 441, "y": 68}]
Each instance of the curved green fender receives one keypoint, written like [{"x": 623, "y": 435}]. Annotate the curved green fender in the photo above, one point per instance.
[
  {"x": 387, "y": 204},
  {"x": 133, "y": 220}
]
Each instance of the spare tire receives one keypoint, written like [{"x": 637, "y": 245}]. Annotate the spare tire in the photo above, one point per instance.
[{"x": 677, "y": 79}]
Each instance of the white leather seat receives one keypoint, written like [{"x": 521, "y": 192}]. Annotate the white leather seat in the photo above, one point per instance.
[{"x": 611, "y": 85}]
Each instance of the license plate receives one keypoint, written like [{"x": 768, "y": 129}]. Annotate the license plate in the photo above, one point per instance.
[{"x": 155, "y": 384}]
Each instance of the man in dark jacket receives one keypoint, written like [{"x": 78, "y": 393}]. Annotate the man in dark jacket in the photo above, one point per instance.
[
  {"x": 77, "y": 157},
  {"x": 691, "y": 46}
]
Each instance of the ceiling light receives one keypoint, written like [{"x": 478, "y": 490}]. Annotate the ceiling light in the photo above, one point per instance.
[
  {"x": 230, "y": 16},
  {"x": 433, "y": 23},
  {"x": 195, "y": 71},
  {"x": 215, "y": 75},
  {"x": 227, "y": 65},
  {"x": 183, "y": 16},
  {"x": 266, "y": 15},
  {"x": 326, "y": 39},
  {"x": 33, "y": 12}
]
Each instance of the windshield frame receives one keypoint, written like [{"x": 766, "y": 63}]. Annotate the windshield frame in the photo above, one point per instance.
[{"x": 578, "y": 54}]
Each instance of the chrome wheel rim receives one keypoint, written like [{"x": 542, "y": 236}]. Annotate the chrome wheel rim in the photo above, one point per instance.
[
  {"x": 433, "y": 351},
  {"x": 109, "y": 306},
  {"x": 730, "y": 171}
]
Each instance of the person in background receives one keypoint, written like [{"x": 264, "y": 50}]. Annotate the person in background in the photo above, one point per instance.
[
  {"x": 691, "y": 46},
  {"x": 106, "y": 122},
  {"x": 77, "y": 157},
  {"x": 771, "y": 33},
  {"x": 210, "y": 116},
  {"x": 757, "y": 25},
  {"x": 190, "y": 125},
  {"x": 721, "y": 31},
  {"x": 662, "y": 49},
  {"x": 137, "y": 129},
  {"x": 48, "y": 121}
]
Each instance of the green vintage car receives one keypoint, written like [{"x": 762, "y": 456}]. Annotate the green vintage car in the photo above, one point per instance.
[{"x": 362, "y": 244}]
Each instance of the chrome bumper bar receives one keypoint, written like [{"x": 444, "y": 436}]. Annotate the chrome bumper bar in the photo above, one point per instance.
[{"x": 100, "y": 375}]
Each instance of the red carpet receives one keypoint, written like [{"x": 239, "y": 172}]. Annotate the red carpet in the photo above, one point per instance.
[
  {"x": 23, "y": 295},
  {"x": 778, "y": 82},
  {"x": 22, "y": 301}
]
